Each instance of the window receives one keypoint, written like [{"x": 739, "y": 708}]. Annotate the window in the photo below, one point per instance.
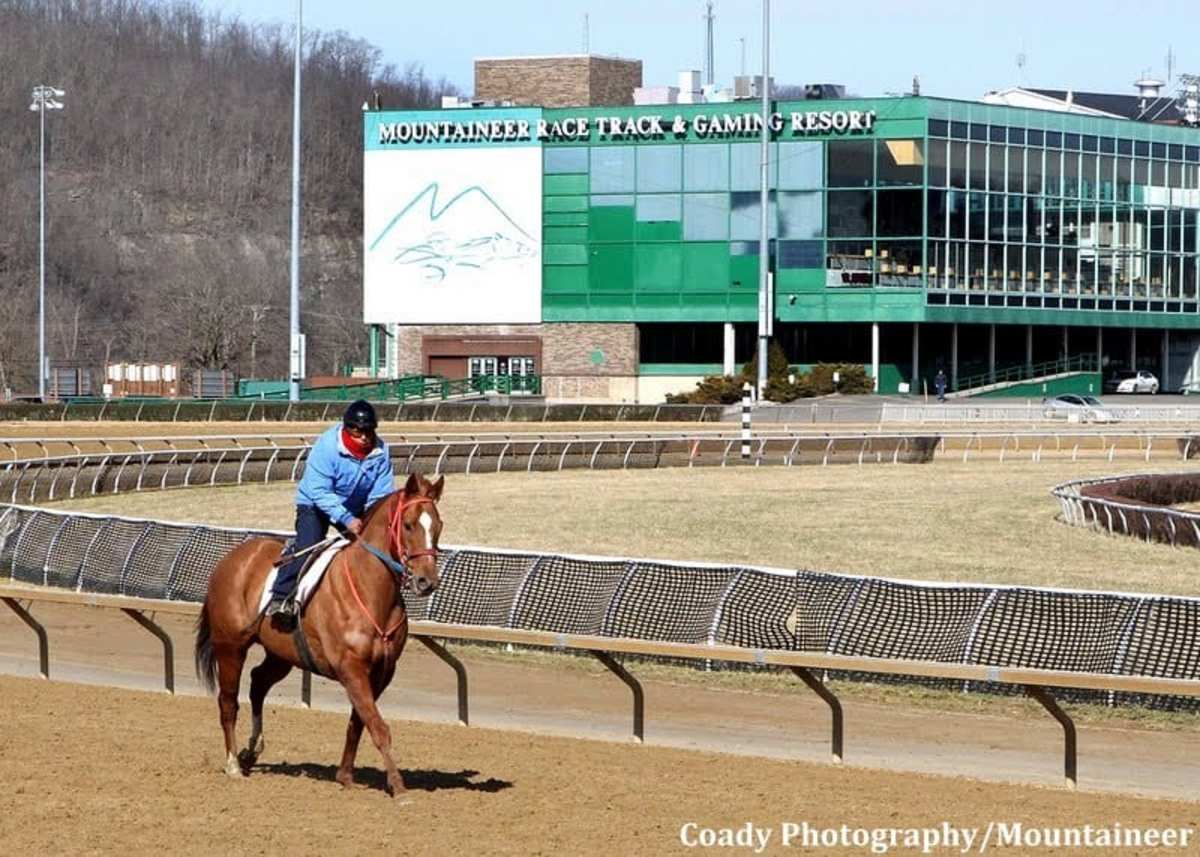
[
  {"x": 745, "y": 166},
  {"x": 1052, "y": 180},
  {"x": 850, "y": 213},
  {"x": 658, "y": 207},
  {"x": 706, "y": 217},
  {"x": 658, "y": 217},
  {"x": 850, "y": 264},
  {"x": 612, "y": 169},
  {"x": 996, "y": 171},
  {"x": 901, "y": 162},
  {"x": 899, "y": 264},
  {"x": 850, "y": 163},
  {"x": 705, "y": 167},
  {"x": 898, "y": 212},
  {"x": 744, "y": 221},
  {"x": 658, "y": 168},
  {"x": 565, "y": 160},
  {"x": 938, "y": 163},
  {"x": 801, "y": 254},
  {"x": 800, "y": 215},
  {"x": 1071, "y": 175},
  {"x": 1016, "y": 169},
  {"x": 801, "y": 165},
  {"x": 947, "y": 211},
  {"x": 1033, "y": 171},
  {"x": 958, "y": 165},
  {"x": 978, "y": 166}
]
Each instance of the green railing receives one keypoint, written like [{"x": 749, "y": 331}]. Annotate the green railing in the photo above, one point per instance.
[
  {"x": 406, "y": 389},
  {"x": 1024, "y": 372}
]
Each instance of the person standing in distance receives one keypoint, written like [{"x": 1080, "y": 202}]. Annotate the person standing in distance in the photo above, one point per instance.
[{"x": 348, "y": 469}]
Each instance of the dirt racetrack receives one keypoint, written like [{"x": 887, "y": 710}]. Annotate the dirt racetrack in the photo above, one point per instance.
[
  {"x": 91, "y": 770},
  {"x": 87, "y": 769}
]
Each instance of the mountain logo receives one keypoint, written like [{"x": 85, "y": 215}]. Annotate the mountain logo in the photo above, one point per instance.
[{"x": 471, "y": 231}]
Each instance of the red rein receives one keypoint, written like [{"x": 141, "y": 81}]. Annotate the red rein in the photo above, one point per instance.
[{"x": 396, "y": 545}]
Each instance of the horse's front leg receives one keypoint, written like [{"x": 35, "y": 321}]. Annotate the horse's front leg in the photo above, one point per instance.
[
  {"x": 345, "y": 771},
  {"x": 357, "y": 679}
]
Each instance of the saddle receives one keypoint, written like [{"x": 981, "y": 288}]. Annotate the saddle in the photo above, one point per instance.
[
  {"x": 309, "y": 577},
  {"x": 307, "y": 581}
]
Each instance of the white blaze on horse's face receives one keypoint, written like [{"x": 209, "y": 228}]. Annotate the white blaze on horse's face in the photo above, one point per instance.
[{"x": 426, "y": 522}]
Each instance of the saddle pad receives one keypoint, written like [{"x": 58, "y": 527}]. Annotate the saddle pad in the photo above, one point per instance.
[{"x": 312, "y": 576}]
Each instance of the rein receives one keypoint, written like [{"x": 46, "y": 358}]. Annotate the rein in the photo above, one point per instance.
[{"x": 400, "y": 569}]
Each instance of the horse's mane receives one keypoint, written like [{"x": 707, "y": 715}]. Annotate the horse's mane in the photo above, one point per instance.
[
  {"x": 377, "y": 505},
  {"x": 382, "y": 501}
]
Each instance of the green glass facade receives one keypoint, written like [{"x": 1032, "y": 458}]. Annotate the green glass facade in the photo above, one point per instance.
[
  {"x": 940, "y": 211},
  {"x": 907, "y": 234}
]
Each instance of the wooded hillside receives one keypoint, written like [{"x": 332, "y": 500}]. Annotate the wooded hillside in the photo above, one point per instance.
[{"x": 168, "y": 181}]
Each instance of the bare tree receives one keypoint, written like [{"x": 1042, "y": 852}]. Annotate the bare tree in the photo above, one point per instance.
[{"x": 167, "y": 183}]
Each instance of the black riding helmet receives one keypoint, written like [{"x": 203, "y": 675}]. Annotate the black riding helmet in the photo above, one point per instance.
[{"x": 360, "y": 415}]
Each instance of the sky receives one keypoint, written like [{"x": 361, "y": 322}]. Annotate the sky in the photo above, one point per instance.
[{"x": 958, "y": 49}]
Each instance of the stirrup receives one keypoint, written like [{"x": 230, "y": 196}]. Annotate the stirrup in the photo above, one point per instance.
[{"x": 282, "y": 607}]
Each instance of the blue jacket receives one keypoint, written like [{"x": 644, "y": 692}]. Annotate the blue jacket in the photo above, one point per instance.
[{"x": 340, "y": 485}]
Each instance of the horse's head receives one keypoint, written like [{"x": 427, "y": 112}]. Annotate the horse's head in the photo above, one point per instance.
[{"x": 414, "y": 529}]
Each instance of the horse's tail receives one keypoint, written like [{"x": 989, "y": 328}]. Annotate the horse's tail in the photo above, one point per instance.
[{"x": 206, "y": 659}]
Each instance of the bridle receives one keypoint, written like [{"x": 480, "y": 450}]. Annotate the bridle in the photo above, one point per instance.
[
  {"x": 396, "y": 538},
  {"x": 397, "y": 547}
]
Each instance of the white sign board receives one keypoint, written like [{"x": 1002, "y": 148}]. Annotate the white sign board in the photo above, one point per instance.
[{"x": 452, "y": 234}]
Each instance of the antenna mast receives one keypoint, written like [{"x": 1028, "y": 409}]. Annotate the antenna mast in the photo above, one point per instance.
[
  {"x": 586, "y": 36},
  {"x": 710, "y": 73}
]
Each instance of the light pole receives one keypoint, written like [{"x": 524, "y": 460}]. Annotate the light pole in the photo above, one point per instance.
[
  {"x": 296, "y": 367},
  {"x": 44, "y": 98},
  {"x": 764, "y": 243}
]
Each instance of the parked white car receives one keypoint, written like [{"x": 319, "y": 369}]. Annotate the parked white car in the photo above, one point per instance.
[
  {"x": 1129, "y": 381},
  {"x": 1079, "y": 409}
]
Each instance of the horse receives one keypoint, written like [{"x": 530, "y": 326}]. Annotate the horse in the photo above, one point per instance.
[{"x": 354, "y": 626}]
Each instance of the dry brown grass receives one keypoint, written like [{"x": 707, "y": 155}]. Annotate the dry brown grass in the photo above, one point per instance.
[{"x": 979, "y": 521}]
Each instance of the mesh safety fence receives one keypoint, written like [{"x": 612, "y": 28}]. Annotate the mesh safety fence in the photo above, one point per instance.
[{"x": 747, "y": 606}]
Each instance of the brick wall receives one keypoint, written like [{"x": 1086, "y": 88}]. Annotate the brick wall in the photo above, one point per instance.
[
  {"x": 558, "y": 81},
  {"x": 597, "y": 362},
  {"x": 567, "y": 349},
  {"x": 612, "y": 81}
]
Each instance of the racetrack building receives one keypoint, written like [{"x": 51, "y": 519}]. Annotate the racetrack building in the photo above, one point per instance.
[{"x": 614, "y": 250}]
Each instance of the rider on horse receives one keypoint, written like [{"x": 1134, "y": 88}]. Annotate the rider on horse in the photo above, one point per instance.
[{"x": 348, "y": 469}]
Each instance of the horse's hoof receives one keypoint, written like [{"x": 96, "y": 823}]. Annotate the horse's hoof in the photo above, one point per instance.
[
  {"x": 247, "y": 760},
  {"x": 233, "y": 768}
]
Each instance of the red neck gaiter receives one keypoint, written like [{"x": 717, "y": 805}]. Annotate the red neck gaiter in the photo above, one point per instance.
[{"x": 357, "y": 448}]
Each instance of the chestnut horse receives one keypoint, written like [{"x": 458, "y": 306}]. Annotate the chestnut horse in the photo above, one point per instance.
[{"x": 354, "y": 625}]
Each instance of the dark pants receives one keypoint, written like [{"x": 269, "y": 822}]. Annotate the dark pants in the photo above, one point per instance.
[{"x": 311, "y": 526}]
